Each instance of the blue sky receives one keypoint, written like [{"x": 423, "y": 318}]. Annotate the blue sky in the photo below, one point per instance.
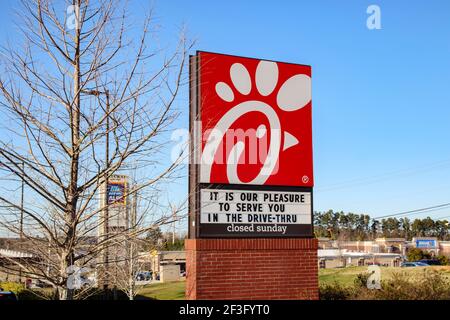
[
  {"x": 381, "y": 98},
  {"x": 381, "y": 103}
]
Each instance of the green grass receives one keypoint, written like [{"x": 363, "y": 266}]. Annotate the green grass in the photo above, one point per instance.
[
  {"x": 164, "y": 291},
  {"x": 346, "y": 276}
]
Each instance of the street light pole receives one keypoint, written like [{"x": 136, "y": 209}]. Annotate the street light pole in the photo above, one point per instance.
[
  {"x": 133, "y": 252},
  {"x": 22, "y": 194},
  {"x": 106, "y": 223},
  {"x": 174, "y": 214}
]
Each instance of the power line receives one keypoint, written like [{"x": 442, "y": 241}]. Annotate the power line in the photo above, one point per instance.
[
  {"x": 417, "y": 211},
  {"x": 363, "y": 181}
]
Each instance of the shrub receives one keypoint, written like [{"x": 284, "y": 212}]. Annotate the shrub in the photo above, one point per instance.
[
  {"x": 15, "y": 287},
  {"x": 23, "y": 293},
  {"x": 35, "y": 295},
  {"x": 425, "y": 285},
  {"x": 416, "y": 254},
  {"x": 335, "y": 291},
  {"x": 104, "y": 294},
  {"x": 361, "y": 280},
  {"x": 443, "y": 260}
]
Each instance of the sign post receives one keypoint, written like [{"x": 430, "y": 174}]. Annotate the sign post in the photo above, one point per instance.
[
  {"x": 250, "y": 180},
  {"x": 114, "y": 219}
]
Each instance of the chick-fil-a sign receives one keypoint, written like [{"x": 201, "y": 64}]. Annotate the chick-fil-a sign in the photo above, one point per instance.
[
  {"x": 255, "y": 121},
  {"x": 251, "y": 173}
]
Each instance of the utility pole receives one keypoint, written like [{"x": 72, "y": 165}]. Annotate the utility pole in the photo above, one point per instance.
[
  {"x": 174, "y": 215},
  {"x": 106, "y": 223},
  {"x": 22, "y": 194},
  {"x": 132, "y": 257}
]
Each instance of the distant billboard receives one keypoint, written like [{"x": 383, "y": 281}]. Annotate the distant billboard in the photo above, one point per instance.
[
  {"x": 114, "y": 196},
  {"x": 116, "y": 193},
  {"x": 426, "y": 243}
]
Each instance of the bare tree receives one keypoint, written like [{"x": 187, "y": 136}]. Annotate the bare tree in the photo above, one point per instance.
[
  {"x": 126, "y": 267},
  {"x": 81, "y": 99},
  {"x": 130, "y": 253}
]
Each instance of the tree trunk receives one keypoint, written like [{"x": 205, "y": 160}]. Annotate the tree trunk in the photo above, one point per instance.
[{"x": 72, "y": 197}]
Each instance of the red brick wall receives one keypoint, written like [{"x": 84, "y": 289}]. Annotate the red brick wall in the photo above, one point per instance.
[{"x": 251, "y": 269}]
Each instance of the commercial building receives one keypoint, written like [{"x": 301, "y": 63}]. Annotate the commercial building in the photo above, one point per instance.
[
  {"x": 155, "y": 259},
  {"x": 381, "y": 251},
  {"x": 337, "y": 258}
]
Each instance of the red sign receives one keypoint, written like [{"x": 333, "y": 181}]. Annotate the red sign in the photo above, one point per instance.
[{"x": 256, "y": 121}]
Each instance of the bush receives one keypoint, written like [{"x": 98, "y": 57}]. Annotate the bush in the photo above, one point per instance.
[
  {"x": 335, "y": 291},
  {"x": 443, "y": 260},
  {"x": 22, "y": 292},
  {"x": 361, "y": 280},
  {"x": 15, "y": 287},
  {"x": 36, "y": 295},
  {"x": 416, "y": 254},
  {"x": 426, "y": 285},
  {"x": 104, "y": 294}
]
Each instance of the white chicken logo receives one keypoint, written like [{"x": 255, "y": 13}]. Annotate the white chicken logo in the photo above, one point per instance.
[{"x": 294, "y": 94}]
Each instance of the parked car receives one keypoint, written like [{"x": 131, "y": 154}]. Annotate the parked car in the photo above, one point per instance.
[
  {"x": 183, "y": 274},
  {"x": 431, "y": 262},
  {"x": 140, "y": 277},
  {"x": 413, "y": 264},
  {"x": 41, "y": 284},
  {"x": 422, "y": 264},
  {"x": 144, "y": 276},
  {"x": 7, "y": 296}
]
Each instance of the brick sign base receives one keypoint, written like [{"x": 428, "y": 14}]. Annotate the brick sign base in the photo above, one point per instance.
[{"x": 243, "y": 269}]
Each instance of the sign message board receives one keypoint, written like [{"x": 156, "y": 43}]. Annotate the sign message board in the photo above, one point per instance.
[
  {"x": 251, "y": 169},
  {"x": 254, "y": 213}
]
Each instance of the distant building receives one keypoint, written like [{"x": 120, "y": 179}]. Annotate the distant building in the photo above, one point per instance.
[
  {"x": 444, "y": 248},
  {"x": 337, "y": 258},
  {"x": 155, "y": 259},
  {"x": 381, "y": 251}
]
